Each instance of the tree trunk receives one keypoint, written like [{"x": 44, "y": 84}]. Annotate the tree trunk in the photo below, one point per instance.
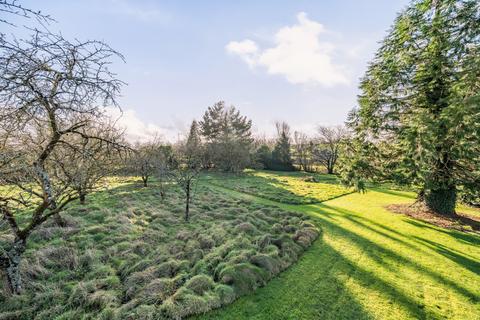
[
  {"x": 442, "y": 201},
  {"x": 82, "y": 198},
  {"x": 145, "y": 181},
  {"x": 11, "y": 266},
  {"x": 187, "y": 204}
]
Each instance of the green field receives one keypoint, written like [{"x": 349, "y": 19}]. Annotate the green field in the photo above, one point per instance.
[
  {"x": 129, "y": 255},
  {"x": 286, "y": 187}
]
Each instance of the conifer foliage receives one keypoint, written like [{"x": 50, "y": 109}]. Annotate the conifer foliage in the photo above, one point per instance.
[
  {"x": 228, "y": 137},
  {"x": 419, "y": 110}
]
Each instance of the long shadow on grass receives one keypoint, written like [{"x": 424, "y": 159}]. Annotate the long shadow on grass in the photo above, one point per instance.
[
  {"x": 459, "y": 258},
  {"x": 329, "y": 270},
  {"x": 462, "y": 236},
  {"x": 378, "y": 253},
  {"x": 312, "y": 289},
  {"x": 274, "y": 188}
]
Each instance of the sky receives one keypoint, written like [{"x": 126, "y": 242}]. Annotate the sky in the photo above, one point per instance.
[{"x": 297, "y": 61}]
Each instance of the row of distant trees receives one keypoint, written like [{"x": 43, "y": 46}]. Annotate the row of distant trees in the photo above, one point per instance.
[{"x": 299, "y": 151}]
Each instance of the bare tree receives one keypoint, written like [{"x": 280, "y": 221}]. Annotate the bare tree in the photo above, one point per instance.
[
  {"x": 49, "y": 88},
  {"x": 162, "y": 168},
  {"x": 88, "y": 157},
  {"x": 303, "y": 151},
  {"x": 144, "y": 159},
  {"x": 185, "y": 167},
  {"x": 326, "y": 151},
  {"x": 14, "y": 8}
]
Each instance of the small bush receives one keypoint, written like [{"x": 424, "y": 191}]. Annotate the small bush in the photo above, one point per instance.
[
  {"x": 170, "y": 268},
  {"x": 206, "y": 242},
  {"x": 101, "y": 299},
  {"x": 305, "y": 236},
  {"x": 246, "y": 227}
]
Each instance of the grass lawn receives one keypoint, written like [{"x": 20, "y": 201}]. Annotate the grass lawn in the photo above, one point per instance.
[
  {"x": 129, "y": 255},
  {"x": 370, "y": 264},
  {"x": 286, "y": 187}
]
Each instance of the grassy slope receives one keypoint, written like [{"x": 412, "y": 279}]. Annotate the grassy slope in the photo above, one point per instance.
[{"x": 371, "y": 264}]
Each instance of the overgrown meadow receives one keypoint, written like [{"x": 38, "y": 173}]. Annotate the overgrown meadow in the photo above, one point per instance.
[{"x": 128, "y": 254}]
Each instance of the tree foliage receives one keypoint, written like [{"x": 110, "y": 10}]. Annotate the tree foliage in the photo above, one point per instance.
[
  {"x": 281, "y": 154},
  {"x": 228, "y": 137},
  {"x": 419, "y": 110}
]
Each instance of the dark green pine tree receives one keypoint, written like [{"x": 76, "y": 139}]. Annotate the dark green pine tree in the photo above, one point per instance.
[
  {"x": 281, "y": 154},
  {"x": 228, "y": 137},
  {"x": 419, "y": 111},
  {"x": 193, "y": 140}
]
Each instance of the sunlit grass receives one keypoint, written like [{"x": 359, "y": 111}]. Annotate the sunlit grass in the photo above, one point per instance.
[
  {"x": 371, "y": 264},
  {"x": 291, "y": 188}
]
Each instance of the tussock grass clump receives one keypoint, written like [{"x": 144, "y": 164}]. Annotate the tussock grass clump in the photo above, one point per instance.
[
  {"x": 200, "y": 284},
  {"x": 130, "y": 255}
]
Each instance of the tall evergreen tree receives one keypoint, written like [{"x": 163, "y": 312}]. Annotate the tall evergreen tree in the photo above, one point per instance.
[
  {"x": 228, "y": 137},
  {"x": 419, "y": 110},
  {"x": 281, "y": 155},
  {"x": 193, "y": 140}
]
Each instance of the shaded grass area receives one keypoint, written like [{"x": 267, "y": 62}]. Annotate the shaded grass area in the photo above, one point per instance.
[
  {"x": 284, "y": 187},
  {"x": 371, "y": 264},
  {"x": 129, "y": 255}
]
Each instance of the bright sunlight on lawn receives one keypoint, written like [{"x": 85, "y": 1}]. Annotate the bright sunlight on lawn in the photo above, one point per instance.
[
  {"x": 371, "y": 263},
  {"x": 289, "y": 187}
]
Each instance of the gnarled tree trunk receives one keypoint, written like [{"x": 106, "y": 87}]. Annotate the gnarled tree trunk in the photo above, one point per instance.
[{"x": 10, "y": 263}]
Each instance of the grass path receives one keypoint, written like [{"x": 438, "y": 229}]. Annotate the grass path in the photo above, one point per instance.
[{"x": 370, "y": 264}]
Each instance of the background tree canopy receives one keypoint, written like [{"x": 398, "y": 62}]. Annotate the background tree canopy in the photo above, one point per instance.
[{"x": 228, "y": 137}]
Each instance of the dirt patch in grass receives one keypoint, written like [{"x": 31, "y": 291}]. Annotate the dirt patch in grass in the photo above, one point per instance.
[{"x": 460, "y": 221}]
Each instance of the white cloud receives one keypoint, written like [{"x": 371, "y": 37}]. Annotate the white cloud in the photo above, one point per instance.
[
  {"x": 246, "y": 49},
  {"x": 135, "y": 129},
  {"x": 299, "y": 54}
]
